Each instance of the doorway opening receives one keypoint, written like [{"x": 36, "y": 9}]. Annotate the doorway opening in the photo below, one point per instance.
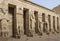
[
  {"x": 54, "y": 23},
  {"x": 12, "y": 12},
  {"x": 26, "y": 21},
  {"x": 44, "y": 22},
  {"x": 49, "y": 20},
  {"x": 36, "y": 23}
]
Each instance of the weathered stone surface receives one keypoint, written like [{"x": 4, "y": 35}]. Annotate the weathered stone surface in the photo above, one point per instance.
[{"x": 12, "y": 22}]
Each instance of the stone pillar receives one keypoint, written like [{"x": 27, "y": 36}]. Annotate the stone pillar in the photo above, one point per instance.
[
  {"x": 47, "y": 25},
  {"x": 4, "y": 28},
  {"x": 52, "y": 29},
  {"x": 33, "y": 26},
  {"x": 4, "y": 8},
  {"x": 30, "y": 27},
  {"x": 57, "y": 24},
  {"x": 41, "y": 24},
  {"x": 40, "y": 27},
  {"x": 20, "y": 29},
  {"x": 33, "y": 23}
]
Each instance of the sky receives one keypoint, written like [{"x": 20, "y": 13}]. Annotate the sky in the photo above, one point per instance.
[{"x": 47, "y": 3}]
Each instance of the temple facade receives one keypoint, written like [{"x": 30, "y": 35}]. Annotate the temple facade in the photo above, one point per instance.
[{"x": 21, "y": 20}]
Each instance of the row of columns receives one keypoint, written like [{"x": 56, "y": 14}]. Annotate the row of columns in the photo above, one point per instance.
[
  {"x": 48, "y": 24},
  {"x": 45, "y": 26},
  {"x": 38, "y": 24}
]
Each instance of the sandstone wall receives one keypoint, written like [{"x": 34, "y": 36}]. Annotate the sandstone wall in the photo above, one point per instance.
[{"x": 6, "y": 20}]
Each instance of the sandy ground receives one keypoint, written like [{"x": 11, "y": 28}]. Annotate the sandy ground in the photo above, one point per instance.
[{"x": 51, "y": 37}]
